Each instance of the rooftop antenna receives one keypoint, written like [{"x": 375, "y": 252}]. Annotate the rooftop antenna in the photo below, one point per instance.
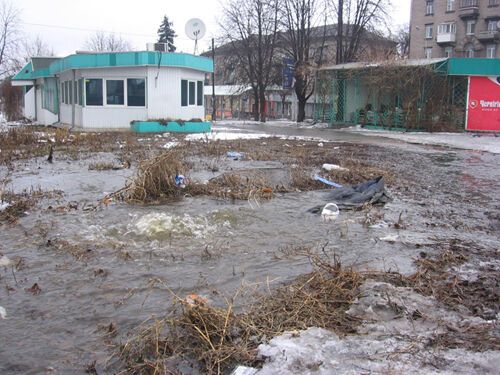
[{"x": 195, "y": 30}]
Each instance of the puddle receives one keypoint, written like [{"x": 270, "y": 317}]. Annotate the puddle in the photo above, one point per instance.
[{"x": 202, "y": 245}]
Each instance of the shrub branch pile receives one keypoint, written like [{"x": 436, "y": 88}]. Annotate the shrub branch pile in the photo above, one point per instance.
[{"x": 218, "y": 338}]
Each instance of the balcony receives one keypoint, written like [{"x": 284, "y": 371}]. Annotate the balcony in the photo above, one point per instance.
[
  {"x": 469, "y": 9},
  {"x": 488, "y": 36},
  {"x": 446, "y": 38}
]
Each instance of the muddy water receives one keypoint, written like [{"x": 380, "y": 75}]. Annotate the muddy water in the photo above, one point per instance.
[{"x": 201, "y": 245}]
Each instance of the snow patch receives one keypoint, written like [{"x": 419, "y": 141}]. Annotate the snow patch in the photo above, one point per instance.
[{"x": 467, "y": 141}]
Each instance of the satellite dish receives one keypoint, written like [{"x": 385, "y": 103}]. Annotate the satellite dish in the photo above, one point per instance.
[{"x": 195, "y": 30}]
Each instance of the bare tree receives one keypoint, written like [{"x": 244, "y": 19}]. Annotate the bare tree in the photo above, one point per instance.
[
  {"x": 30, "y": 48},
  {"x": 11, "y": 99},
  {"x": 107, "y": 42},
  {"x": 9, "y": 37},
  {"x": 354, "y": 19},
  {"x": 250, "y": 28},
  {"x": 402, "y": 38},
  {"x": 37, "y": 47},
  {"x": 301, "y": 19}
]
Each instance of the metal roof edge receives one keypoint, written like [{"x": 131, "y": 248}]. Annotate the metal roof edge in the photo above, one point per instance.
[
  {"x": 120, "y": 59},
  {"x": 461, "y": 66}
]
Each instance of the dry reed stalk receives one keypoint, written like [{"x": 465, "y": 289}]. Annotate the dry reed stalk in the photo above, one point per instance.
[
  {"x": 155, "y": 179},
  {"x": 219, "y": 338}
]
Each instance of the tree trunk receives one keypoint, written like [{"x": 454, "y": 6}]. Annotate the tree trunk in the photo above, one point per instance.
[
  {"x": 262, "y": 105},
  {"x": 301, "y": 113},
  {"x": 256, "y": 105},
  {"x": 340, "y": 31}
]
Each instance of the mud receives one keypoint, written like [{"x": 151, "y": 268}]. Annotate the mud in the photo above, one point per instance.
[{"x": 99, "y": 263}]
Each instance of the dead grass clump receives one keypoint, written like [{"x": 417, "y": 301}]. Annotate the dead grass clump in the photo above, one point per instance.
[
  {"x": 16, "y": 209},
  {"x": 148, "y": 350},
  {"x": 434, "y": 277},
  {"x": 474, "y": 337},
  {"x": 20, "y": 203},
  {"x": 102, "y": 166},
  {"x": 78, "y": 251},
  {"x": 302, "y": 179},
  {"x": 319, "y": 299},
  {"x": 358, "y": 172},
  {"x": 155, "y": 179},
  {"x": 218, "y": 338},
  {"x": 234, "y": 186},
  {"x": 18, "y": 136}
]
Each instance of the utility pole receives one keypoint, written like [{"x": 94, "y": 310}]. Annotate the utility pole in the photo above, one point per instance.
[{"x": 213, "y": 81}]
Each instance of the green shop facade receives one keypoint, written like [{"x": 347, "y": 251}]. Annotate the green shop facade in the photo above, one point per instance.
[{"x": 411, "y": 95}]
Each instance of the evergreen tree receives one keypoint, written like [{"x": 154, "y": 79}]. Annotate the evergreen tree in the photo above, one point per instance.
[{"x": 166, "y": 34}]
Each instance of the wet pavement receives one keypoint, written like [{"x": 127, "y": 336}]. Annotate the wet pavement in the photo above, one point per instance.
[{"x": 101, "y": 264}]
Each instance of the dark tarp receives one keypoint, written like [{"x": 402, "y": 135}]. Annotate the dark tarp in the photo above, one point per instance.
[{"x": 353, "y": 197}]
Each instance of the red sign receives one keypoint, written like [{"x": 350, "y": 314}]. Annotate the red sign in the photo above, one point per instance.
[{"x": 483, "y": 108}]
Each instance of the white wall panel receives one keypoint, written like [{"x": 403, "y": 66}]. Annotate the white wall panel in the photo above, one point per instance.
[
  {"x": 29, "y": 104},
  {"x": 164, "y": 93},
  {"x": 113, "y": 118},
  {"x": 163, "y": 97}
]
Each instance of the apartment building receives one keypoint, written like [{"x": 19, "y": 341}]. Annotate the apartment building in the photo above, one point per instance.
[{"x": 455, "y": 28}]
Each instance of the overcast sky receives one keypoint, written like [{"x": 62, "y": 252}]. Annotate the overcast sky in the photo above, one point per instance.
[{"x": 66, "y": 24}]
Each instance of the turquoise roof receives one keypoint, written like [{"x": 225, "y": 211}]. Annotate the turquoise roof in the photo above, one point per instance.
[
  {"x": 473, "y": 67},
  {"x": 117, "y": 59}
]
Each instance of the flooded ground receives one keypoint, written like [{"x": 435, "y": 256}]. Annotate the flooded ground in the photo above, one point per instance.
[{"x": 76, "y": 263}]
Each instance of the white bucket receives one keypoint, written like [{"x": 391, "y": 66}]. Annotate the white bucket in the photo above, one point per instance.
[{"x": 330, "y": 212}]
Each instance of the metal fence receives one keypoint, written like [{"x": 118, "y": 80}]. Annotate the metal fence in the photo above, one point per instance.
[{"x": 392, "y": 97}]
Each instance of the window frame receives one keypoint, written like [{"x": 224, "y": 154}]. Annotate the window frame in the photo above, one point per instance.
[
  {"x": 70, "y": 92},
  {"x": 429, "y": 27},
  {"x": 429, "y": 7},
  {"x": 450, "y": 5},
  {"x": 85, "y": 92},
  {"x": 426, "y": 54},
  {"x": 195, "y": 90},
  {"x": 66, "y": 96},
  {"x": 469, "y": 51},
  {"x": 448, "y": 52},
  {"x": 145, "y": 92},
  {"x": 63, "y": 93},
  {"x": 105, "y": 92},
  {"x": 491, "y": 47},
  {"x": 470, "y": 27},
  {"x": 200, "y": 100},
  {"x": 447, "y": 28}
]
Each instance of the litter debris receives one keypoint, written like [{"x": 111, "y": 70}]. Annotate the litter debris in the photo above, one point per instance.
[
  {"x": 320, "y": 144},
  {"x": 330, "y": 212},
  {"x": 327, "y": 182},
  {"x": 3, "y": 313},
  {"x": 333, "y": 167},
  {"x": 169, "y": 145},
  {"x": 196, "y": 300},
  {"x": 391, "y": 238},
  {"x": 4, "y": 205},
  {"x": 4, "y": 261},
  {"x": 380, "y": 225},
  {"x": 244, "y": 370},
  {"x": 370, "y": 192},
  {"x": 235, "y": 155},
  {"x": 179, "y": 181},
  {"x": 35, "y": 289}
]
